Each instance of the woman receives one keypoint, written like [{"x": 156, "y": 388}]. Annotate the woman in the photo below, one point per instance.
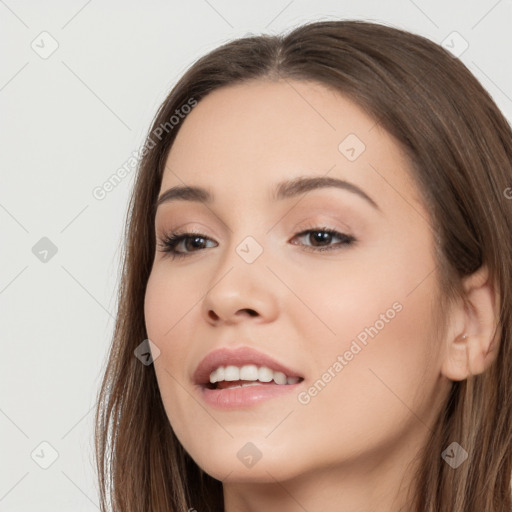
[{"x": 318, "y": 266}]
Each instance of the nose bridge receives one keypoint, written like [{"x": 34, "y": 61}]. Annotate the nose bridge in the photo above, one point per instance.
[
  {"x": 241, "y": 279},
  {"x": 247, "y": 241},
  {"x": 243, "y": 260}
]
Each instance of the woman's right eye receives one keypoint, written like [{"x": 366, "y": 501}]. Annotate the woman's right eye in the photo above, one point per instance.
[{"x": 170, "y": 243}]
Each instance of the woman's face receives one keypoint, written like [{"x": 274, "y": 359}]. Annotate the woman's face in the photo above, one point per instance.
[{"x": 354, "y": 321}]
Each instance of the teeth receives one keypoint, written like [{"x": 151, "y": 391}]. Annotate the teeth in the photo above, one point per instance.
[
  {"x": 279, "y": 378},
  {"x": 250, "y": 372},
  {"x": 231, "y": 373},
  {"x": 265, "y": 374},
  {"x": 245, "y": 384},
  {"x": 218, "y": 374}
]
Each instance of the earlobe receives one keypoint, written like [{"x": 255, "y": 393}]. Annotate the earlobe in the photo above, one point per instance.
[
  {"x": 456, "y": 362},
  {"x": 472, "y": 349}
]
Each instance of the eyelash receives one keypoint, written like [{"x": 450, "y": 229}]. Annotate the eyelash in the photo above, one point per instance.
[{"x": 169, "y": 242}]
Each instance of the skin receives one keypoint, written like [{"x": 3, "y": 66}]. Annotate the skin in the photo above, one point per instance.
[{"x": 350, "y": 448}]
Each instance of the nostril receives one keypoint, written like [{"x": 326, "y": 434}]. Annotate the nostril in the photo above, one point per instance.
[
  {"x": 213, "y": 315},
  {"x": 248, "y": 311},
  {"x": 251, "y": 312}
]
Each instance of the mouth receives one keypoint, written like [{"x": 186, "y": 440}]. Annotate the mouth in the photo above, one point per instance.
[
  {"x": 241, "y": 378},
  {"x": 229, "y": 377}
]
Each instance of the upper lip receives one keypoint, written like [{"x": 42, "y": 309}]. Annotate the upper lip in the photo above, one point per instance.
[{"x": 237, "y": 357}]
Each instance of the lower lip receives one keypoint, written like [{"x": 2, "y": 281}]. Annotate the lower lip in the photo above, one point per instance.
[{"x": 233, "y": 398}]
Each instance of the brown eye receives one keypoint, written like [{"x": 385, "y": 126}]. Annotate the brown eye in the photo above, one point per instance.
[
  {"x": 321, "y": 239},
  {"x": 174, "y": 243}
]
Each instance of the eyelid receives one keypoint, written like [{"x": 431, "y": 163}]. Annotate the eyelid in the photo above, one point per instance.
[
  {"x": 297, "y": 229},
  {"x": 333, "y": 225},
  {"x": 194, "y": 228}
]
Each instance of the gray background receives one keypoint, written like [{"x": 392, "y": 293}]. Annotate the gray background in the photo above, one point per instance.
[{"x": 69, "y": 120}]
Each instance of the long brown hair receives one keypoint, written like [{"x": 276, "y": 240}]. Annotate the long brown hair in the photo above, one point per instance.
[{"x": 460, "y": 149}]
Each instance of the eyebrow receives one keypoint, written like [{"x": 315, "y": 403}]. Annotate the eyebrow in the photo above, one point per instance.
[{"x": 283, "y": 190}]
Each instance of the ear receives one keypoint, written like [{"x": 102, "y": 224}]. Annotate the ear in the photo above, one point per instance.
[{"x": 471, "y": 344}]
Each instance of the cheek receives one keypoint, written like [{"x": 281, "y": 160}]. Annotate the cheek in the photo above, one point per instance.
[
  {"x": 379, "y": 370},
  {"x": 375, "y": 312},
  {"x": 168, "y": 302},
  {"x": 171, "y": 308},
  {"x": 168, "y": 309}
]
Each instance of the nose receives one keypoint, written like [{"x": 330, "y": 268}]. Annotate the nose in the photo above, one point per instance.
[{"x": 239, "y": 291}]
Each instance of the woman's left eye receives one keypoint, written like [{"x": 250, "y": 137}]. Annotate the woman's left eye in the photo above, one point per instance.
[
  {"x": 325, "y": 236},
  {"x": 321, "y": 237}
]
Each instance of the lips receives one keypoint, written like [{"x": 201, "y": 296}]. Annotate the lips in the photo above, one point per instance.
[{"x": 238, "y": 357}]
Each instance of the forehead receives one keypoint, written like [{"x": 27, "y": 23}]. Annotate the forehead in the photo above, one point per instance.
[{"x": 243, "y": 138}]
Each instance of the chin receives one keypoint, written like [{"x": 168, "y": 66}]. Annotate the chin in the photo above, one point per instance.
[
  {"x": 259, "y": 474},
  {"x": 240, "y": 462}
]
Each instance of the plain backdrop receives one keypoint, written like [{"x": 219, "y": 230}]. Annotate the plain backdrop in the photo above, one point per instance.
[{"x": 79, "y": 84}]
